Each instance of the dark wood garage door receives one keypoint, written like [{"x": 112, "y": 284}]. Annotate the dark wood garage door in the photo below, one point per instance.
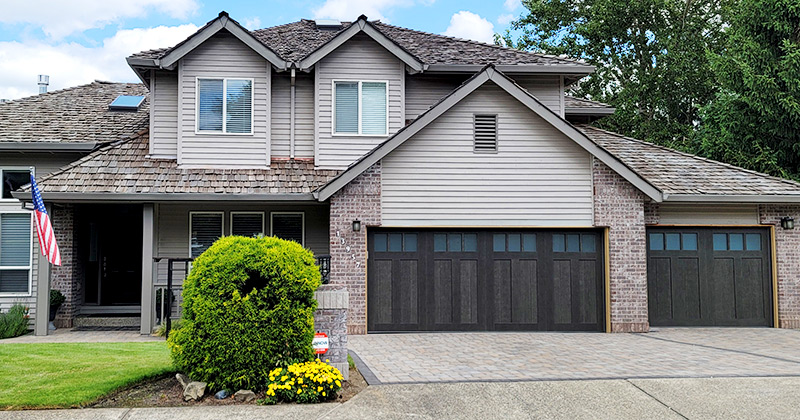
[
  {"x": 709, "y": 277},
  {"x": 484, "y": 280}
]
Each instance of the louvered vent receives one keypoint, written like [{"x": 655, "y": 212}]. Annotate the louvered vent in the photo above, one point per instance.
[{"x": 485, "y": 133}]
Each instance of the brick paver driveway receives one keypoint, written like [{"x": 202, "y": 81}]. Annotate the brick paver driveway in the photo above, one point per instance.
[{"x": 662, "y": 353}]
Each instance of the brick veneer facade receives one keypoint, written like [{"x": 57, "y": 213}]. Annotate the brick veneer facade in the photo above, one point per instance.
[
  {"x": 788, "y": 257},
  {"x": 619, "y": 206},
  {"x": 65, "y": 278},
  {"x": 359, "y": 200}
]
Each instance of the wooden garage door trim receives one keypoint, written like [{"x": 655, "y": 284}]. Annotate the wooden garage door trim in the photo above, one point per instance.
[{"x": 530, "y": 273}]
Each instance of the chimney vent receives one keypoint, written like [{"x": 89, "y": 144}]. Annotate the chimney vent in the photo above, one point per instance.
[{"x": 44, "y": 81}]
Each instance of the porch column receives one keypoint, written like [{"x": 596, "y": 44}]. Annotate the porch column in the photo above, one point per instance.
[
  {"x": 148, "y": 238},
  {"x": 42, "y": 289}
]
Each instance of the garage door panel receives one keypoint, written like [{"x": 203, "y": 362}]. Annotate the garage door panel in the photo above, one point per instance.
[
  {"x": 501, "y": 283},
  {"x": 443, "y": 291},
  {"x": 381, "y": 287},
  {"x": 686, "y": 289},
  {"x": 468, "y": 292},
  {"x": 723, "y": 302},
  {"x": 660, "y": 288},
  {"x": 523, "y": 292},
  {"x": 406, "y": 291},
  {"x": 750, "y": 290},
  {"x": 562, "y": 291},
  {"x": 586, "y": 292}
]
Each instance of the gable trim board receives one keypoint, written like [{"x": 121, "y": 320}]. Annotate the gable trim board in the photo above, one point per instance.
[
  {"x": 361, "y": 25},
  {"x": 489, "y": 73}
]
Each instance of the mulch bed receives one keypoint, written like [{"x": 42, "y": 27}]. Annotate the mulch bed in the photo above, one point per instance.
[{"x": 167, "y": 392}]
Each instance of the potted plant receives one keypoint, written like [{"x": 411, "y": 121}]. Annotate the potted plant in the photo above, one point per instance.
[{"x": 56, "y": 299}]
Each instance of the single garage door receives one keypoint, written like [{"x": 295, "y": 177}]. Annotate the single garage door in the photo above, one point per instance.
[
  {"x": 709, "y": 277},
  {"x": 484, "y": 280}
]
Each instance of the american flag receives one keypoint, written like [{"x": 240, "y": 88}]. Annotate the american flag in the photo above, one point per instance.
[{"x": 47, "y": 239}]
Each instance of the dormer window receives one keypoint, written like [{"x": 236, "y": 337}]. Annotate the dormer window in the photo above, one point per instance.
[
  {"x": 360, "y": 108},
  {"x": 224, "y": 106}
]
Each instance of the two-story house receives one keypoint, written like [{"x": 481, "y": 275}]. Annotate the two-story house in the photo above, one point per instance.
[{"x": 453, "y": 185}]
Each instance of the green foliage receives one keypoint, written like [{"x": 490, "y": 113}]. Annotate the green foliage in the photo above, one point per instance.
[
  {"x": 56, "y": 297},
  {"x": 248, "y": 307},
  {"x": 309, "y": 382},
  {"x": 174, "y": 325},
  {"x": 14, "y": 322},
  {"x": 650, "y": 56},
  {"x": 755, "y": 120}
]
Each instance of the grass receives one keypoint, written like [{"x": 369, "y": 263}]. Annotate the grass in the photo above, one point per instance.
[
  {"x": 350, "y": 362},
  {"x": 50, "y": 375}
]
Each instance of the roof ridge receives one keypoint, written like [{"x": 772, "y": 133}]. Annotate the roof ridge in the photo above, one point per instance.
[
  {"x": 701, "y": 158},
  {"x": 66, "y": 89}
]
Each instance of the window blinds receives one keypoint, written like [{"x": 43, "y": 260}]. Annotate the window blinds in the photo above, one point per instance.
[
  {"x": 373, "y": 114},
  {"x": 238, "y": 106},
  {"x": 209, "y": 113},
  {"x": 347, "y": 107}
]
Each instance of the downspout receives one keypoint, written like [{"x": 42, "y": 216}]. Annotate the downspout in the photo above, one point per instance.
[{"x": 291, "y": 116}]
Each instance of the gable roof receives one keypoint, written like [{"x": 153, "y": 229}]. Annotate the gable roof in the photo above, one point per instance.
[
  {"x": 76, "y": 118},
  {"x": 489, "y": 73},
  {"x": 123, "y": 171},
  {"x": 297, "y": 41},
  {"x": 685, "y": 177}
]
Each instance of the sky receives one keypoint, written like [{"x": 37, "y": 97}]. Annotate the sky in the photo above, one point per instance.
[{"x": 78, "y": 41}]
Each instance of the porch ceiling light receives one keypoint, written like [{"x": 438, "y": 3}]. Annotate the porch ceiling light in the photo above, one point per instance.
[
  {"x": 356, "y": 225},
  {"x": 787, "y": 222}
]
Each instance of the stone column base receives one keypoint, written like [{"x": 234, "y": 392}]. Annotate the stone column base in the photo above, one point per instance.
[
  {"x": 630, "y": 327},
  {"x": 789, "y": 323},
  {"x": 331, "y": 318}
]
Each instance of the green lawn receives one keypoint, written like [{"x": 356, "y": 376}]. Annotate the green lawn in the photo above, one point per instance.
[{"x": 73, "y": 374}]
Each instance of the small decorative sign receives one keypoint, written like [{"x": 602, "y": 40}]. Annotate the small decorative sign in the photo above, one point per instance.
[{"x": 320, "y": 343}]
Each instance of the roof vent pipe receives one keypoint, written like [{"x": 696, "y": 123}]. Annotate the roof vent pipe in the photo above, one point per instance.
[{"x": 44, "y": 81}]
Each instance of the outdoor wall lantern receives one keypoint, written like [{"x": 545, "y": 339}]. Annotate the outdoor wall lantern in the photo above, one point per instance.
[
  {"x": 786, "y": 222},
  {"x": 356, "y": 225}
]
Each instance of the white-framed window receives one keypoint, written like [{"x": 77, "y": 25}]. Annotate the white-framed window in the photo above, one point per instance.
[
  {"x": 224, "y": 106},
  {"x": 11, "y": 178},
  {"x": 360, "y": 107},
  {"x": 16, "y": 253},
  {"x": 205, "y": 227},
  {"x": 288, "y": 225},
  {"x": 247, "y": 223}
]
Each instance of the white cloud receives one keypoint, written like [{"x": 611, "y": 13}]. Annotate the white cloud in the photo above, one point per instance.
[
  {"x": 60, "y": 18},
  {"x": 512, "y": 5},
  {"x": 70, "y": 64},
  {"x": 468, "y": 25},
  {"x": 505, "y": 19},
  {"x": 349, "y": 10},
  {"x": 252, "y": 23}
]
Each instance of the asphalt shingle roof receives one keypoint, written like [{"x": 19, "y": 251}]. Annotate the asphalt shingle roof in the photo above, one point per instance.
[
  {"x": 675, "y": 172},
  {"x": 74, "y": 115},
  {"x": 124, "y": 168},
  {"x": 294, "y": 41},
  {"x": 573, "y": 102}
]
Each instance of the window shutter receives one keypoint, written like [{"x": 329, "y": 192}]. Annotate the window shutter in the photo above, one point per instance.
[
  {"x": 15, "y": 240},
  {"x": 346, "y": 107},
  {"x": 373, "y": 113},
  {"x": 209, "y": 114},
  {"x": 485, "y": 133},
  {"x": 245, "y": 224},
  {"x": 206, "y": 229},
  {"x": 288, "y": 226},
  {"x": 239, "y": 106}
]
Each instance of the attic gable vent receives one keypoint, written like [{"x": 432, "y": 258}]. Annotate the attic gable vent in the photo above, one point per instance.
[
  {"x": 485, "y": 134},
  {"x": 126, "y": 103},
  {"x": 328, "y": 24}
]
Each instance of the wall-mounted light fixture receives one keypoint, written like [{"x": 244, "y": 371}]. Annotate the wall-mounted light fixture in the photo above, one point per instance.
[
  {"x": 787, "y": 222},
  {"x": 356, "y": 225}
]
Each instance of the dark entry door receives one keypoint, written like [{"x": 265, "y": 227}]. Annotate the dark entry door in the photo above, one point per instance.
[
  {"x": 709, "y": 277},
  {"x": 484, "y": 280}
]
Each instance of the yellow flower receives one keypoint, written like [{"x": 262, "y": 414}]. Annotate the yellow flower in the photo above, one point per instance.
[
  {"x": 338, "y": 383},
  {"x": 299, "y": 380},
  {"x": 299, "y": 391},
  {"x": 319, "y": 389},
  {"x": 284, "y": 377}
]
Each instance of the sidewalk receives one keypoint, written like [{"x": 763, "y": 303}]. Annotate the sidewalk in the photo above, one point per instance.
[{"x": 67, "y": 335}]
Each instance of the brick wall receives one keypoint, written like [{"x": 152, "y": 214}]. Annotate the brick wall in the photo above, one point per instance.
[
  {"x": 65, "y": 277},
  {"x": 360, "y": 199},
  {"x": 787, "y": 247},
  {"x": 619, "y": 206}
]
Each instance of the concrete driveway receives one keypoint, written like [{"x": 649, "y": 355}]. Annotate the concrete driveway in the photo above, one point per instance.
[{"x": 662, "y": 353}]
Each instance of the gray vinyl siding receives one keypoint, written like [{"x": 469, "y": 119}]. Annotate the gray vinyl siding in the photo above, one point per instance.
[
  {"x": 538, "y": 177},
  {"x": 164, "y": 114},
  {"x": 43, "y": 163},
  {"x": 224, "y": 56},
  {"x": 172, "y": 227},
  {"x": 424, "y": 90},
  {"x": 360, "y": 58},
  {"x": 303, "y": 117},
  {"x": 703, "y": 214}
]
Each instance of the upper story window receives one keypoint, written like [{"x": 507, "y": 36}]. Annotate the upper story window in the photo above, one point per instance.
[
  {"x": 360, "y": 108},
  {"x": 225, "y": 106},
  {"x": 13, "y": 179}
]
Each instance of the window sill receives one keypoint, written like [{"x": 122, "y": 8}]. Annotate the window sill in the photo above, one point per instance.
[
  {"x": 220, "y": 133},
  {"x": 358, "y": 135}
]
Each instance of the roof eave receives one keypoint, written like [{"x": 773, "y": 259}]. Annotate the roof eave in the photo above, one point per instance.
[
  {"x": 30, "y": 146},
  {"x": 733, "y": 198},
  {"x": 560, "y": 69},
  {"x": 161, "y": 197},
  {"x": 588, "y": 111}
]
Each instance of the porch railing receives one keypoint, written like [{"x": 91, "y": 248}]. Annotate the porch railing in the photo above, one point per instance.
[{"x": 168, "y": 286}]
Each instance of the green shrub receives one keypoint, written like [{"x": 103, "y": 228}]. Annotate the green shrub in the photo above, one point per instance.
[
  {"x": 248, "y": 306},
  {"x": 14, "y": 322},
  {"x": 56, "y": 297},
  {"x": 309, "y": 382}
]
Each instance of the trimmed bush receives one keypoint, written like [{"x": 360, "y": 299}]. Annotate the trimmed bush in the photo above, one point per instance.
[
  {"x": 309, "y": 382},
  {"x": 248, "y": 306},
  {"x": 14, "y": 322}
]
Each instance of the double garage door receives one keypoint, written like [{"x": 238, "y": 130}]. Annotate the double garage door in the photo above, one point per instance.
[
  {"x": 709, "y": 277},
  {"x": 485, "y": 280}
]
